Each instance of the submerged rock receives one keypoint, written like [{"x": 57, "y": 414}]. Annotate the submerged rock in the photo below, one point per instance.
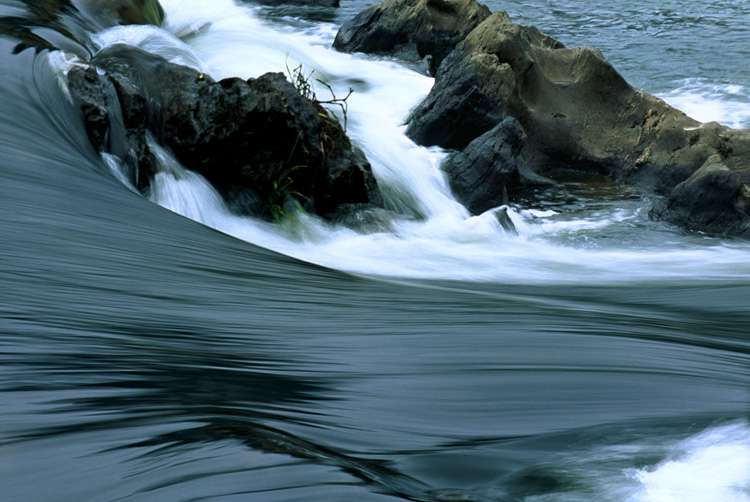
[
  {"x": 502, "y": 217},
  {"x": 413, "y": 30},
  {"x": 259, "y": 138}
]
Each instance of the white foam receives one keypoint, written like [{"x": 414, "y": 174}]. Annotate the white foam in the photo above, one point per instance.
[
  {"x": 727, "y": 104},
  {"x": 185, "y": 192},
  {"x": 713, "y": 466},
  {"x": 153, "y": 40},
  {"x": 116, "y": 168},
  {"x": 228, "y": 40}
]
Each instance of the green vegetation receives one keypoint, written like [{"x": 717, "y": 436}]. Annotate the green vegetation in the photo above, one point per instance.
[{"x": 282, "y": 195}]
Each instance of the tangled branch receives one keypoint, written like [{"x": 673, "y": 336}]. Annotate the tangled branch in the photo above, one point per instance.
[{"x": 303, "y": 83}]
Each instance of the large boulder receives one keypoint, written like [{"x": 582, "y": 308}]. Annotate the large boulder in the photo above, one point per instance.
[
  {"x": 419, "y": 31},
  {"x": 577, "y": 111},
  {"x": 259, "y": 135},
  {"x": 467, "y": 100}
]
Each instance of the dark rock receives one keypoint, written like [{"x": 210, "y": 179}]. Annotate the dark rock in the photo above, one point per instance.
[
  {"x": 243, "y": 200},
  {"x": 714, "y": 199},
  {"x": 478, "y": 176},
  {"x": 257, "y": 138},
  {"x": 133, "y": 112},
  {"x": 363, "y": 218},
  {"x": 413, "y": 30},
  {"x": 97, "y": 98},
  {"x": 312, "y": 3},
  {"x": 117, "y": 12},
  {"x": 467, "y": 100},
  {"x": 87, "y": 89}
]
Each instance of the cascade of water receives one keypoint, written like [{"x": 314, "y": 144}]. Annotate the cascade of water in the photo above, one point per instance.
[
  {"x": 183, "y": 191},
  {"x": 712, "y": 465},
  {"x": 224, "y": 39}
]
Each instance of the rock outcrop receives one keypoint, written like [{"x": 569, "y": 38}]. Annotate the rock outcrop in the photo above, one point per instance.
[
  {"x": 475, "y": 85},
  {"x": 575, "y": 110},
  {"x": 258, "y": 135},
  {"x": 419, "y": 31}
]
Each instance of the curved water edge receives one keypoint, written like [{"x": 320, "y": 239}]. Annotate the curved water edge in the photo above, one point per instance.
[
  {"x": 146, "y": 356},
  {"x": 589, "y": 241}
]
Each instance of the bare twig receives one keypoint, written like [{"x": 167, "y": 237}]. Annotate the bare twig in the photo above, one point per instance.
[
  {"x": 336, "y": 101},
  {"x": 303, "y": 84}
]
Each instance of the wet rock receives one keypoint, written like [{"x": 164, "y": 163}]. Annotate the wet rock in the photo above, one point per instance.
[
  {"x": 133, "y": 111},
  {"x": 259, "y": 138},
  {"x": 75, "y": 21},
  {"x": 363, "y": 218},
  {"x": 467, "y": 100},
  {"x": 86, "y": 86},
  {"x": 714, "y": 199},
  {"x": 117, "y": 12},
  {"x": 576, "y": 110},
  {"x": 414, "y": 30},
  {"x": 315, "y": 3},
  {"x": 478, "y": 176}
]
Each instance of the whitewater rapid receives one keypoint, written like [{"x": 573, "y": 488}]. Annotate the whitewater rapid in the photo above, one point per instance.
[{"x": 429, "y": 235}]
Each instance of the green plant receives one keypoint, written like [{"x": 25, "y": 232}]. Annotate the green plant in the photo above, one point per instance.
[{"x": 282, "y": 194}]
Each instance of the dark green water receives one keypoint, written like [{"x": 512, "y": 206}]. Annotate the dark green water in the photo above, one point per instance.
[{"x": 144, "y": 356}]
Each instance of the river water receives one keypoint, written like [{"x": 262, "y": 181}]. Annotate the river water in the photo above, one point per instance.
[{"x": 157, "y": 347}]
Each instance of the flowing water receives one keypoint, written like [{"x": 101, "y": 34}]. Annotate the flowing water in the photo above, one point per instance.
[{"x": 158, "y": 347}]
